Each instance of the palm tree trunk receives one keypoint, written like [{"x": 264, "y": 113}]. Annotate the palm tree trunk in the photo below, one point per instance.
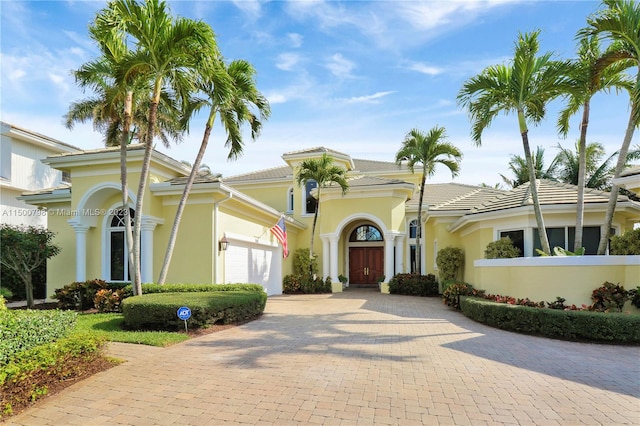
[
  {"x": 582, "y": 166},
  {"x": 613, "y": 196},
  {"x": 123, "y": 178},
  {"x": 544, "y": 241},
  {"x": 142, "y": 187},
  {"x": 313, "y": 232},
  {"x": 419, "y": 227},
  {"x": 182, "y": 203}
]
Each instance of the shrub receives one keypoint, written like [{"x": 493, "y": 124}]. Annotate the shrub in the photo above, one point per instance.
[
  {"x": 315, "y": 286},
  {"x": 501, "y": 249},
  {"x": 26, "y": 377},
  {"x": 159, "y": 311},
  {"x": 626, "y": 244},
  {"x": 3, "y": 306},
  {"x": 191, "y": 288},
  {"x": 302, "y": 264},
  {"x": 79, "y": 295},
  {"x": 634, "y": 295},
  {"x": 609, "y": 297},
  {"x": 554, "y": 323},
  {"x": 449, "y": 261},
  {"x": 21, "y": 330},
  {"x": 107, "y": 300},
  {"x": 557, "y": 304},
  {"x": 451, "y": 296},
  {"x": 414, "y": 285},
  {"x": 292, "y": 284}
]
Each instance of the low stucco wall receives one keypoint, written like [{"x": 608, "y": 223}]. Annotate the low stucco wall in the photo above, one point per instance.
[{"x": 545, "y": 278}]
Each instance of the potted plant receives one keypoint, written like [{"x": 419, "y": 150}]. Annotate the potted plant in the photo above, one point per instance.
[{"x": 344, "y": 280}]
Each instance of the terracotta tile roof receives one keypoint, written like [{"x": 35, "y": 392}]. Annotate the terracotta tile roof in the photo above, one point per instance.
[
  {"x": 200, "y": 178},
  {"x": 282, "y": 172},
  {"x": 316, "y": 150},
  {"x": 454, "y": 196},
  {"x": 286, "y": 172},
  {"x": 549, "y": 193},
  {"x": 372, "y": 181},
  {"x": 366, "y": 166}
]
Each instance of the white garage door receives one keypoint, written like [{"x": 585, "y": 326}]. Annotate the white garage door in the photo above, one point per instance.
[{"x": 254, "y": 263}]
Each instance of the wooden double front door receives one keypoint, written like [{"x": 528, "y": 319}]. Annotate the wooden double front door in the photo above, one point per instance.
[{"x": 366, "y": 264}]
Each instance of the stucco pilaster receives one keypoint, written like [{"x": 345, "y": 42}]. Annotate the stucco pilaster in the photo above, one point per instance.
[{"x": 81, "y": 249}]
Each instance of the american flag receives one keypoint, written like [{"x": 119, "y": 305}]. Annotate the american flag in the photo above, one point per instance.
[{"x": 280, "y": 232}]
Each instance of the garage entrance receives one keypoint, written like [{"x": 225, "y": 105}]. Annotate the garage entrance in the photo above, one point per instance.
[{"x": 253, "y": 263}]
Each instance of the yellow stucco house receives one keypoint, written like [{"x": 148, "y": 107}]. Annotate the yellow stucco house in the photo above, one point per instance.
[{"x": 365, "y": 235}]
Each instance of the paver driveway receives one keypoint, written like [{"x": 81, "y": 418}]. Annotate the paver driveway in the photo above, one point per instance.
[{"x": 357, "y": 358}]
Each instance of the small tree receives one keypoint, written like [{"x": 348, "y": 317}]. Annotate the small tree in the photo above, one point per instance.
[
  {"x": 449, "y": 261},
  {"x": 501, "y": 249},
  {"x": 23, "y": 249}
]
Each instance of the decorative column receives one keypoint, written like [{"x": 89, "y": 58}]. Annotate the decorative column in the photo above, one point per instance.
[
  {"x": 81, "y": 249},
  {"x": 325, "y": 256},
  {"x": 400, "y": 254},
  {"x": 388, "y": 256},
  {"x": 146, "y": 247},
  {"x": 334, "y": 257}
]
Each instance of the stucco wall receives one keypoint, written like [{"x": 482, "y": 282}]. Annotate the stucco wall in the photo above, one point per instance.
[{"x": 545, "y": 278}]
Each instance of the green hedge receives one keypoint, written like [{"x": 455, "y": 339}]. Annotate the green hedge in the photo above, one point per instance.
[
  {"x": 80, "y": 295},
  {"x": 24, "y": 329},
  {"x": 24, "y": 379},
  {"x": 414, "y": 285},
  {"x": 554, "y": 323},
  {"x": 158, "y": 311},
  {"x": 179, "y": 288}
]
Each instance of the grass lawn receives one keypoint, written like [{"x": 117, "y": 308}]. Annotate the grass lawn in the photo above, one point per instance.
[{"x": 109, "y": 326}]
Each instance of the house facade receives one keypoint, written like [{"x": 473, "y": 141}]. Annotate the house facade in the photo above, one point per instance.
[
  {"x": 368, "y": 234},
  {"x": 21, "y": 169}
]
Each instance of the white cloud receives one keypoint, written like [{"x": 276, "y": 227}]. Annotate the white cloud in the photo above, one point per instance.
[
  {"x": 295, "y": 39},
  {"x": 369, "y": 98},
  {"x": 251, "y": 8},
  {"x": 426, "y": 69},
  {"x": 339, "y": 66},
  {"x": 287, "y": 61}
]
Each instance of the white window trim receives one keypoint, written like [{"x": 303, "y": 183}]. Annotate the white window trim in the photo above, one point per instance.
[{"x": 105, "y": 258}]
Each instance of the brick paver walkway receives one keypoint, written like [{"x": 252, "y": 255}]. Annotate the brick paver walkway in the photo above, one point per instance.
[{"x": 357, "y": 358}]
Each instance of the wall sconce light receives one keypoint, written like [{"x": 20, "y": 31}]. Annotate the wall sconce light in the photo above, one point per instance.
[{"x": 223, "y": 243}]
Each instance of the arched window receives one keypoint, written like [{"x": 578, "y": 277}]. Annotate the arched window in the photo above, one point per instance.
[
  {"x": 118, "y": 250},
  {"x": 310, "y": 202},
  {"x": 365, "y": 233}
]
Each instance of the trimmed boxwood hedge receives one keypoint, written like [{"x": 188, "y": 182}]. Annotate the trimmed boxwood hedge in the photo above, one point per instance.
[
  {"x": 414, "y": 285},
  {"x": 158, "y": 311},
  {"x": 554, "y": 323}
]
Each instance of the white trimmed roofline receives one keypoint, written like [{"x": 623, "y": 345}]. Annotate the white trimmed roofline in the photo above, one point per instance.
[
  {"x": 555, "y": 208},
  {"x": 38, "y": 139}
]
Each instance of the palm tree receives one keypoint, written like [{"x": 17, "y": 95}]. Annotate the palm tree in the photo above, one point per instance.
[
  {"x": 232, "y": 94},
  {"x": 619, "y": 23},
  {"x": 324, "y": 172},
  {"x": 166, "y": 50},
  {"x": 586, "y": 84},
  {"x": 520, "y": 171},
  {"x": 428, "y": 150},
  {"x": 523, "y": 87},
  {"x": 598, "y": 173}
]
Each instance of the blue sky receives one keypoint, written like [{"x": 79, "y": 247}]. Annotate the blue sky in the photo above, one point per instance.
[{"x": 354, "y": 76}]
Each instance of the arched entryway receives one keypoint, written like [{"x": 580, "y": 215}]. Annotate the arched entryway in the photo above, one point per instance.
[{"x": 366, "y": 255}]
